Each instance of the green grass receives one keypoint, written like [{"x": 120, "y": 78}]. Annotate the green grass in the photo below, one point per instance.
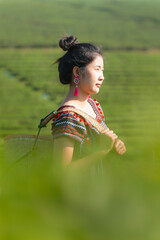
[
  {"x": 113, "y": 24},
  {"x": 21, "y": 109},
  {"x": 33, "y": 68}
]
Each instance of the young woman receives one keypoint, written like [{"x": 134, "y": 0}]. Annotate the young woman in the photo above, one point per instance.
[{"x": 75, "y": 138}]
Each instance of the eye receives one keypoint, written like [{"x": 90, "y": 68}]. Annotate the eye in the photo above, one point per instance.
[{"x": 97, "y": 68}]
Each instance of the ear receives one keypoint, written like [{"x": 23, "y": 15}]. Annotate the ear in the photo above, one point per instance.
[{"x": 76, "y": 71}]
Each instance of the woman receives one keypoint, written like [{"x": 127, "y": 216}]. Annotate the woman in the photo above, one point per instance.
[{"x": 74, "y": 136}]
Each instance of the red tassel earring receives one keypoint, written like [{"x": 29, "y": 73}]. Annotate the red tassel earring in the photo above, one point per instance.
[{"x": 76, "y": 81}]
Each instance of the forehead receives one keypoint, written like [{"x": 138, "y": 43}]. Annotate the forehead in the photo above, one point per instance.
[{"x": 98, "y": 60}]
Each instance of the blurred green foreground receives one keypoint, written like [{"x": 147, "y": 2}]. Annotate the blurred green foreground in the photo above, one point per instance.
[
  {"x": 38, "y": 199},
  {"x": 46, "y": 202}
]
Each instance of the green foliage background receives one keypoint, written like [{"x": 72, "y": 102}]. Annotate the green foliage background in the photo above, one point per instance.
[
  {"x": 46, "y": 202},
  {"x": 111, "y": 23}
]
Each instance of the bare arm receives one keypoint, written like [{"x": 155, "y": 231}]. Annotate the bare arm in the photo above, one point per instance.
[
  {"x": 64, "y": 147},
  {"x": 63, "y": 151}
]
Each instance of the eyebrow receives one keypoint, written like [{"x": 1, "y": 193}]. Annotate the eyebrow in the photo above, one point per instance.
[{"x": 99, "y": 66}]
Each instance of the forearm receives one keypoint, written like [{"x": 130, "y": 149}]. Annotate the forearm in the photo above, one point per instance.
[{"x": 87, "y": 161}]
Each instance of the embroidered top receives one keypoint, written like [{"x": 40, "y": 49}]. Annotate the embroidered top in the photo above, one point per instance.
[{"x": 76, "y": 127}]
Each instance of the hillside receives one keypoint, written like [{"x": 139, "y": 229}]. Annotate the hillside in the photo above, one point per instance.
[{"x": 113, "y": 24}]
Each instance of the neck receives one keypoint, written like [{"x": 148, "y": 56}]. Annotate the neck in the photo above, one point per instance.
[{"x": 80, "y": 100}]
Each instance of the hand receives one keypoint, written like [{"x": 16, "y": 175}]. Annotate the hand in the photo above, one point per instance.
[
  {"x": 120, "y": 147},
  {"x": 110, "y": 134}
]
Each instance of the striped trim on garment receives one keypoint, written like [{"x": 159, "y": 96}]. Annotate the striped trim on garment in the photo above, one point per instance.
[
  {"x": 60, "y": 122},
  {"x": 68, "y": 134},
  {"x": 70, "y": 129},
  {"x": 74, "y": 125},
  {"x": 67, "y": 124}
]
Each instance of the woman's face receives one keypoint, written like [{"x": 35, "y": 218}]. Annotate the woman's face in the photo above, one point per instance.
[{"x": 92, "y": 77}]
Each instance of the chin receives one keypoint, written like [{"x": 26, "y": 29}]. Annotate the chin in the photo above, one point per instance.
[{"x": 94, "y": 91}]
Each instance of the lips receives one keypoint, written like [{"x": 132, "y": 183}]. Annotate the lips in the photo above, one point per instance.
[{"x": 98, "y": 85}]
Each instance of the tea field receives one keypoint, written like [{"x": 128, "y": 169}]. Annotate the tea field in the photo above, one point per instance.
[{"x": 115, "y": 24}]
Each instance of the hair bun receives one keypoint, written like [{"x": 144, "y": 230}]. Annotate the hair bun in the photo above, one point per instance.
[{"x": 68, "y": 42}]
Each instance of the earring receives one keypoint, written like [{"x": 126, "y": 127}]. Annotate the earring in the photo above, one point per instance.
[{"x": 76, "y": 81}]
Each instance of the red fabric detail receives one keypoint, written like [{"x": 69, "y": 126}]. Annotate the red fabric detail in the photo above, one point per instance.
[{"x": 67, "y": 129}]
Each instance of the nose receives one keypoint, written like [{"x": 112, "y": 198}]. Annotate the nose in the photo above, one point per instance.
[{"x": 101, "y": 77}]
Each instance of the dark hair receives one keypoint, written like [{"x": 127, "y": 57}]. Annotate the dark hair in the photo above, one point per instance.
[{"x": 78, "y": 54}]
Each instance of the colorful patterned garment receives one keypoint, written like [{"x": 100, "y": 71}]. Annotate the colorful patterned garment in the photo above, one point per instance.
[{"x": 77, "y": 128}]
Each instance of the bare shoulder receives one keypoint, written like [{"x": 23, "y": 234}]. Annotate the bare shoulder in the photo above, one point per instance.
[{"x": 69, "y": 102}]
